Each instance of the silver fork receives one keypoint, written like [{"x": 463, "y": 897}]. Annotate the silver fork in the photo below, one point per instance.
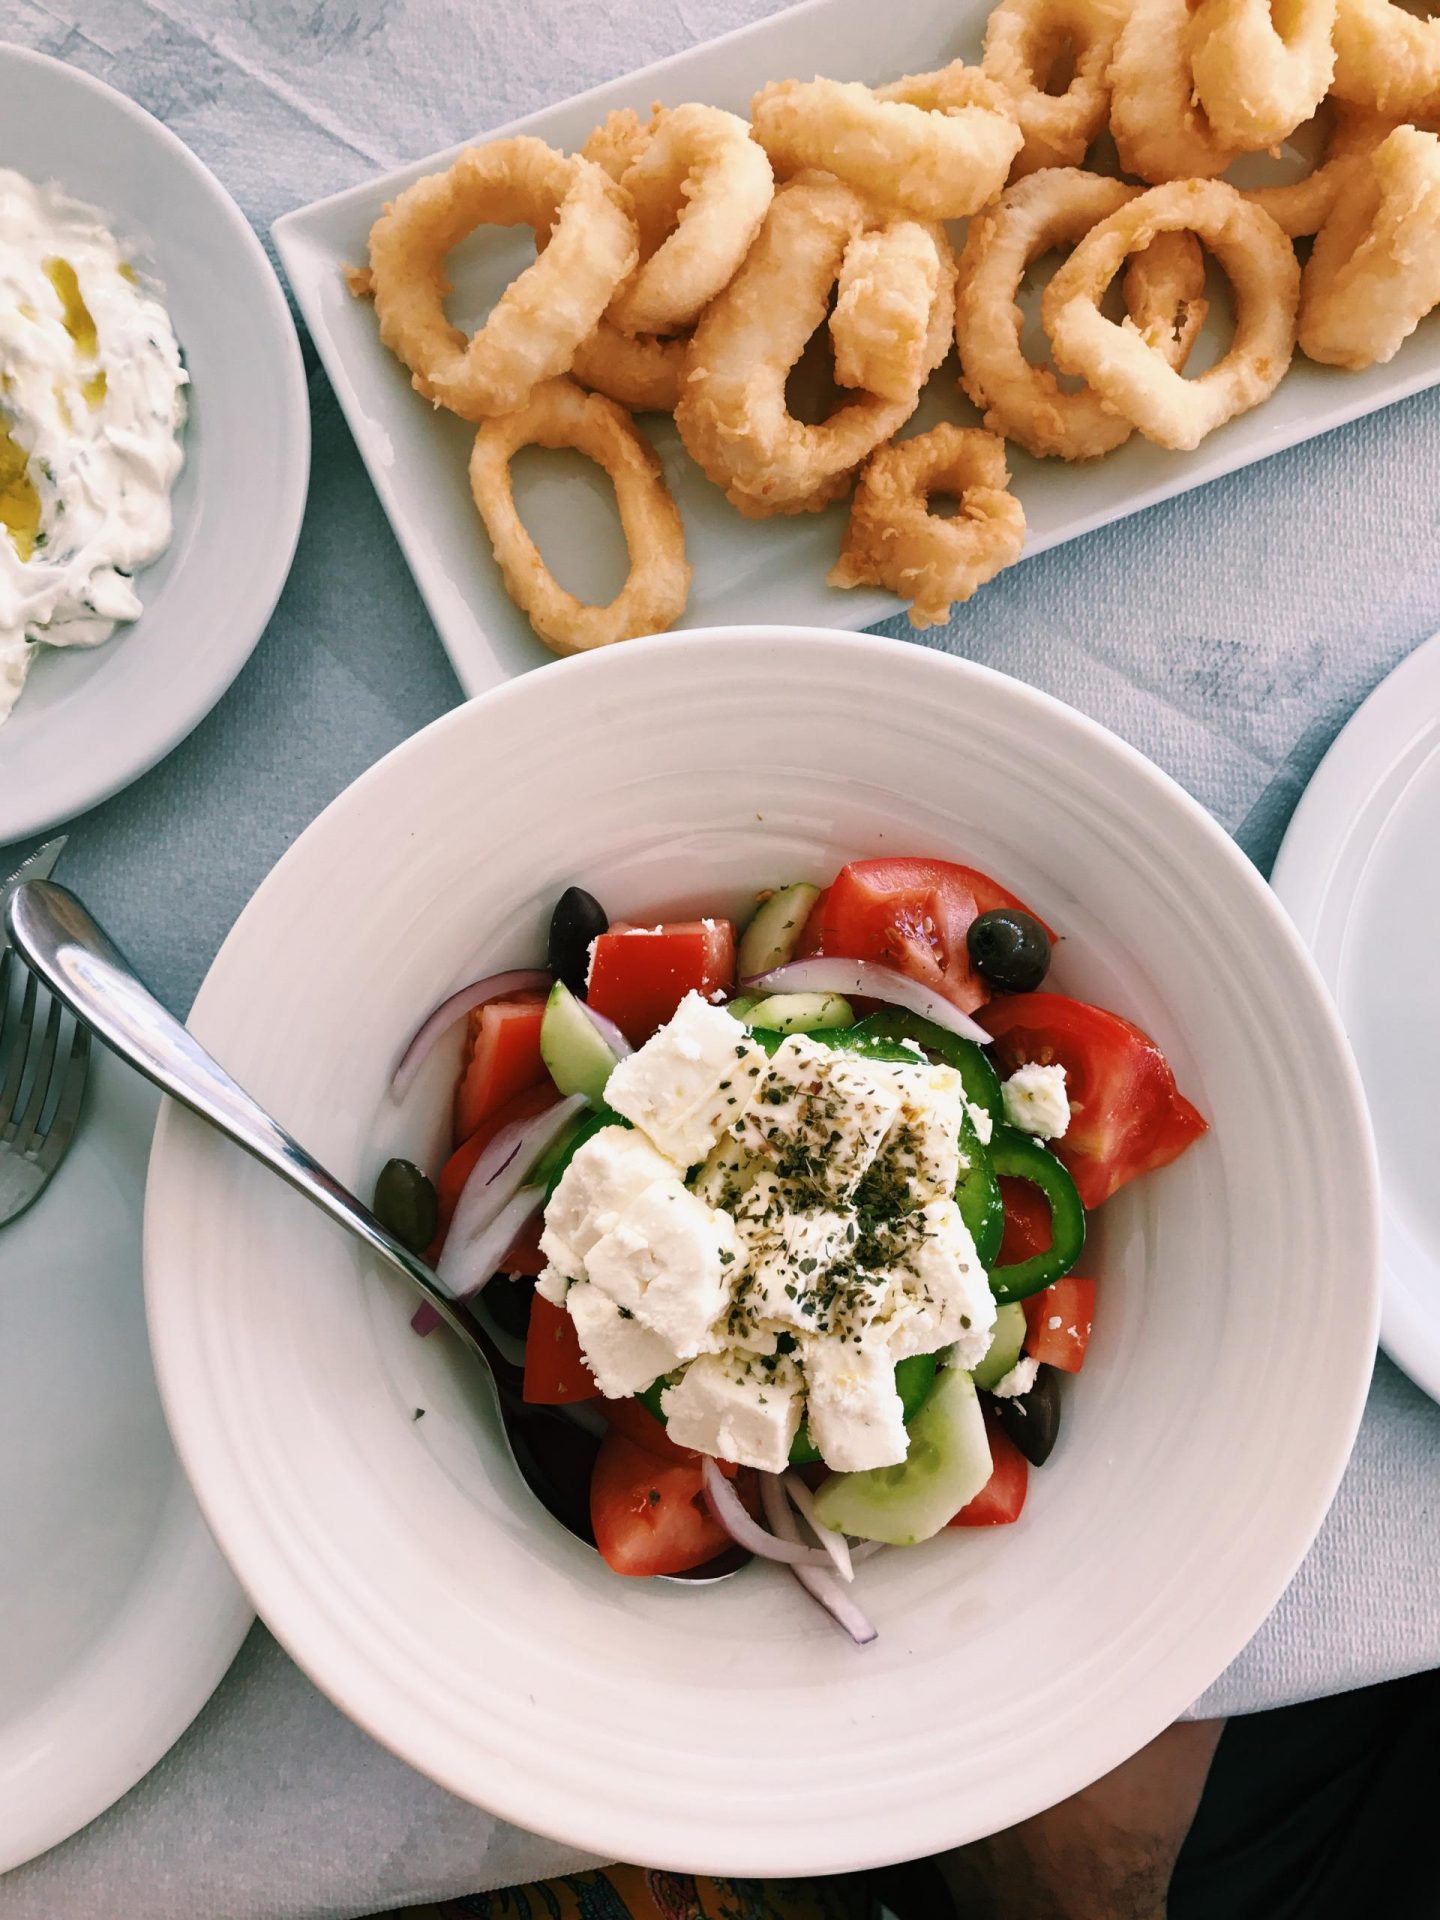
[{"x": 43, "y": 1070}]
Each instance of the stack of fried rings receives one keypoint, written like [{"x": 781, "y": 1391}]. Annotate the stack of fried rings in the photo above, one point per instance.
[{"x": 684, "y": 263}]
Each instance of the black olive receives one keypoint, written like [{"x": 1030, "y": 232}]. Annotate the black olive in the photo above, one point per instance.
[
  {"x": 578, "y": 920},
  {"x": 406, "y": 1203},
  {"x": 1010, "y": 949},
  {"x": 1032, "y": 1420},
  {"x": 507, "y": 1301}
]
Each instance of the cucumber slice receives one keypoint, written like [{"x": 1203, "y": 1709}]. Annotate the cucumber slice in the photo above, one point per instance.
[
  {"x": 948, "y": 1463},
  {"x": 775, "y": 928},
  {"x": 801, "y": 1013},
  {"x": 740, "y": 1006},
  {"x": 1005, "y": 1345},
  {"x": 578, "y": 1057}
]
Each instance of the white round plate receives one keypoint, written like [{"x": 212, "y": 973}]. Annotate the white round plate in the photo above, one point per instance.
[
  {"x": 90, "y": 721},
  {"x": 733, "y": 1728},
  {"x": 1359, "y": 871},
  {"x": 117, "y": 1614}
]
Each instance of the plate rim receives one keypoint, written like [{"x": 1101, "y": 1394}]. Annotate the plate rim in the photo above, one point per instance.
[
  {"x": 1325, "y": 827},
  {"x": 307, "y": 1647},
  {"x": 77, "y": 793}
]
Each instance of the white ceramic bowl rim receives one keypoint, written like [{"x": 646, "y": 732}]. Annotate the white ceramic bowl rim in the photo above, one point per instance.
[{"x": 587, "y": 1742}]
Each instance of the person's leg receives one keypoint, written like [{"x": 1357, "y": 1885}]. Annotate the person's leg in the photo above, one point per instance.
[{"x": 1107, "y": 1853}]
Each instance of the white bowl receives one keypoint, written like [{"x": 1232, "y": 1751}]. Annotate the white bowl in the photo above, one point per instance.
[
  {"x": 91, "y": 720},
  {"x": 732, "y": 1728}
]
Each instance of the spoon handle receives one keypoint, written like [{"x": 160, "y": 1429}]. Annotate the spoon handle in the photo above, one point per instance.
[{"x": 81, "y": 965}]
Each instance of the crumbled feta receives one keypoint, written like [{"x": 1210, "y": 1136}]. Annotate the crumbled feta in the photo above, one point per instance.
[
  {"x": 1036, "y": 1102},
  {"x": 855, "y": 1415},
  {"x": 665, "y": 1260},
  {"x": 689, "y": 1080},
  {"x": 736, "y": 1407},
  {"x": 609, "y": 1171},
  {"x": 984, "y": 1125},
  {"x": 819, "y": 1116},
  {"x": 623, "y": 1355},
  {"x": 1019, "y": 1380}
]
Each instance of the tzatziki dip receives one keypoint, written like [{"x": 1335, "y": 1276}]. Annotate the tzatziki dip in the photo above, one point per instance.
[{"x": 92, "y": 403}]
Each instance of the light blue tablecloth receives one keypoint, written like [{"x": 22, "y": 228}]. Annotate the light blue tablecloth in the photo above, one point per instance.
[{"x": 1228, "y": 635}]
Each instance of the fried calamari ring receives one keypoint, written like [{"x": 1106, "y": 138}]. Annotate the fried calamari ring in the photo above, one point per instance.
[
  {"x": 1160, "y": 131},
  {"x": 883, "y": 302},
  {"x": 1057, "y": 207},
  {"x": 732, "y": 413},
  {"x": 893, "y": 540},
  {"x": 938, "y": 144},
  {"x": 1374, "y": 272},
  {"x": 543, "y": 315},
  {"x": 1024, "y": 43},
  {"x": 558, "y": 414},
  {"x": 1123, "y": 368},
  {"x": 1261, "y": 67},
  {"x": 639, "y": 371},
  {"x": 1387, "y": 59},
  {"x": 700, "y": 187},
  {"x": 1301, "y": 207},
  {"x": 617, "y": 143}
]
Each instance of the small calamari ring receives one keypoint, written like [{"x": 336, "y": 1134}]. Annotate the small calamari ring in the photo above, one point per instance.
[
  {"x": 883, "y": 302},
  {"x": 1387, "y": 59},
  {"x": 893, "y": 540},
  {"x": 639, "y": 371},
  {"x": 617, "y": 143},
  {"x": 543, "y": 315},
  {"x": 1261, "y": 69},
  {"x": 559, "y": 414},
  {"x": 732, "y": 414},
  {"x": 700, "y": 187},
  {"x": 1301, "y": 207},
  {"x": 935, "y": 145},
  {"x": 1121, "y": 365},
  {"x": 1057, "y": 207},
  {"x": 1024, "y": 42},
  {"x": 1374, "y": 271},
  {"x": 1161, "y": 132}
]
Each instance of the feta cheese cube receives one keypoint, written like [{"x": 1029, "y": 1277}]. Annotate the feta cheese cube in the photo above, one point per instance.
[
  {"x": 940, "y": 1294},
  {"x": 726, "y": 1175},
  {"x": 668, "y": 1260},
  {"x": 855, "y": 1415},
  {"x": 789, "y": 1240},
  {"x": 1036, "y": 1101},
  {"x": 736, "y": 1407},
  {"x": 819, "y": 1116},
  {"x": 689, "y": 1081},
  {"x": 623, "y": 1355},
  {"x": 922, "y": 1147},
  {"x": 611, "y": 1169}
]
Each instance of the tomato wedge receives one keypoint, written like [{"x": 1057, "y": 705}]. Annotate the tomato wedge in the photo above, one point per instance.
[
  {"x": 1027, "y": 1222},
  {"x": 502, "y": 1058},
  {"x": 555, "y": 1371},
  {"x": 639, "y": 975},
  {"x": 812, "y": 934},
  {"x": 649, "y": 1514},
  {"x": 1127, "y": 1116},
  {"x": 1001, "y": 1499},
  {"x": 1059, "y": 1322},
  {"x": 913, "y": 915}
]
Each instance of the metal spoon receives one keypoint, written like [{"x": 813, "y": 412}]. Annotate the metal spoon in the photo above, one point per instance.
[{"x": 77, "y": 960}]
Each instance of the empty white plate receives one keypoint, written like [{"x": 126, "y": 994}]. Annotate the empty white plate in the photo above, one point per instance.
[
  {"x": 1360, "y": 874},
  {"x": 117, "y": 1614}
]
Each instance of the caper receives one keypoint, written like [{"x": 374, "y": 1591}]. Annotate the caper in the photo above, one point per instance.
[
  {"x": 1010, "y": 949},
  {"x": 1032, "y": 1420},
  {"x": 406, "y": 1203},
  {"x": 578, "y": 920}
]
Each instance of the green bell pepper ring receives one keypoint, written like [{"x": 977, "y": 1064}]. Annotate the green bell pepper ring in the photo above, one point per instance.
[
  {"x": 978, "y": 1194},
  {"x": 1019, "y": 1156},
  {"x": 981, "y": 1082}
]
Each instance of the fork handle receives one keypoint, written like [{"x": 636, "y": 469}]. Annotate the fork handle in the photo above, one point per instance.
[{"x": 82, "y": 966}]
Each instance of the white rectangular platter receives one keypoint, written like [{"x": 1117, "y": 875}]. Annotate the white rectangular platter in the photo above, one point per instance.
[{"x": 744, "y": 570}]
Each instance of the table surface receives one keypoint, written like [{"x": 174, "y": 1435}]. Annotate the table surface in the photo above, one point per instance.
[{"x": 1228, "y": 634}]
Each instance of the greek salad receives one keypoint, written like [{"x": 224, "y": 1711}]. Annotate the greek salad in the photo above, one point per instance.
[{"x": 799, "y": 1215}]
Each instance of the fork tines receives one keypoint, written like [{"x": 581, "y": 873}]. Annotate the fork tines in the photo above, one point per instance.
[{"x": 44, "y": 1057}]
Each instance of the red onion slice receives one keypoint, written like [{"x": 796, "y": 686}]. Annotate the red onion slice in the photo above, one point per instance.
[
  {"x": 835, "y": 1544},
  {"x": 465, "y": 1266},
  {"x": 729, "y": 1509},
  {"x": 822, "y": 1587},
  {"x": 503, "y": 1168},
  {"x": 608, "y": 1031},
  {"x": 494, "y": 986},
  {"x": 826, "y": 974}
]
